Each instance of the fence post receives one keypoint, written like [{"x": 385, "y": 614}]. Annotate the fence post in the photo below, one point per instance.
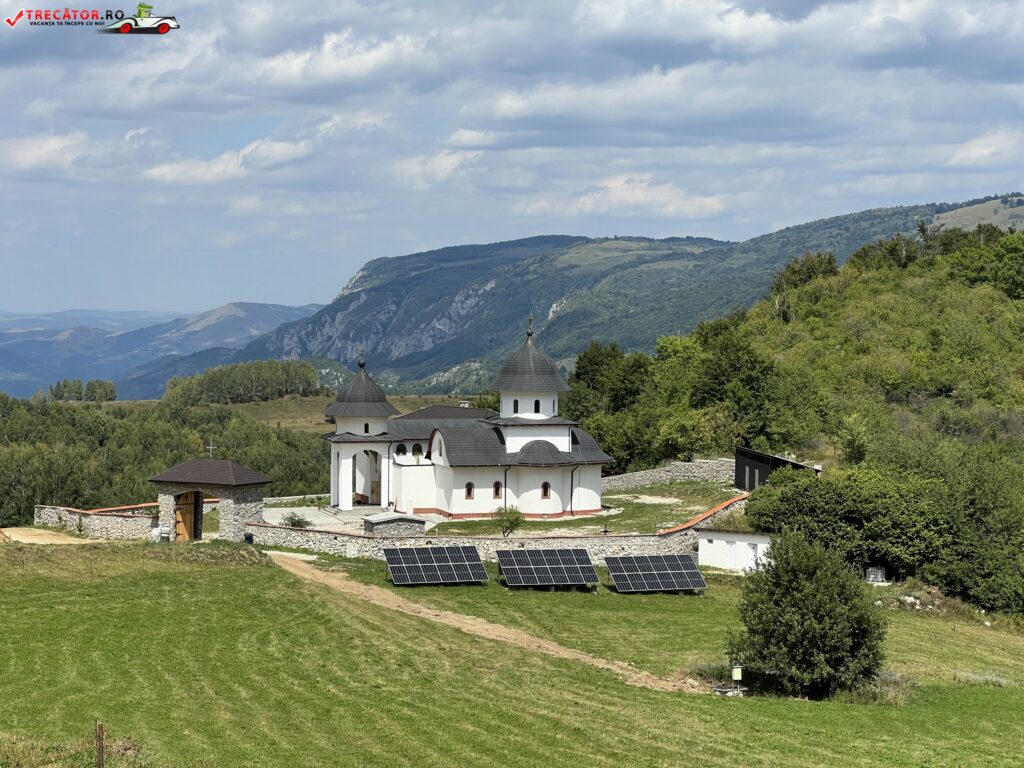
[{"x": 100, "y": 745}]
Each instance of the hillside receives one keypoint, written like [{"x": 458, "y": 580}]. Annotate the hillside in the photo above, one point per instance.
[
  {"x": 417, "y": 317},
  {"x": 33, "y": 354}
]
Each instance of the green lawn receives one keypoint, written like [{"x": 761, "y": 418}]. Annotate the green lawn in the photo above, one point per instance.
[
  {"x": 691, "y": 498},
  {"x": 200, "y": 655}
]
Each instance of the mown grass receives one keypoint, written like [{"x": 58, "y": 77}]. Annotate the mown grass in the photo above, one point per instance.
[
  {"x": 692, "y": 497},
  {"x": 204, "y": 655}
]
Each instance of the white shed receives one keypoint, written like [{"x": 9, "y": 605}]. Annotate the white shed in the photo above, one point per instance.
[{"x": 731, "y": 551}]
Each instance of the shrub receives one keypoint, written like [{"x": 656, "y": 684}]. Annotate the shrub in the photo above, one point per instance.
[
  {"x": 508, "y": 519},
  {"x": 810, "y": 628},
  {"x": 295, "y": 520},
  {"x": 888, "y": 689}
]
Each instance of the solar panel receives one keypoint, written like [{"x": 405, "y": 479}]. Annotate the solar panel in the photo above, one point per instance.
[
  {"x": 655, "y": 573},
  {"x": 434, "y": 565},
  {"x": 546, "y": 567}
]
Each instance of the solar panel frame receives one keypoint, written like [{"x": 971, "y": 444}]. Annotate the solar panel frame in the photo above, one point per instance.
[
  {"x": 655, "y": 573},
  {"x": 547, "y": 568},
  {"x": 434, "y": 565}
]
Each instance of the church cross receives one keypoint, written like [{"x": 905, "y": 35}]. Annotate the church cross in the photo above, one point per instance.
[{"x": 210, "y": 448}]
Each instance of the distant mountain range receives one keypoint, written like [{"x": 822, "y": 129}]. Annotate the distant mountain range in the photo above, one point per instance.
[
  {"x": 440, "y": 321},
  {"x": 121, "y": 346}
]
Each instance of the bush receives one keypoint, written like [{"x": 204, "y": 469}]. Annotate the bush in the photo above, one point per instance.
[
  {"x": 508, "y": 519},
  {"x": 810, "y": 627},
  {"x": 295, "y": 520}
]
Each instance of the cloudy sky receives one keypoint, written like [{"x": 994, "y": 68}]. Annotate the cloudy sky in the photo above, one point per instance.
[{"x": 265, "y": 150}]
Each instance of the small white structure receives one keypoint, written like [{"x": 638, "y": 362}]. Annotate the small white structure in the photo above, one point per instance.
[
  {"x": 463, "y": 462},
  {"x": 730, "y": 551}
]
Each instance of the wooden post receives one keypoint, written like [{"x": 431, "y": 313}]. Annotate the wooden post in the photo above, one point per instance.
[{"x": 100, "y": 745}]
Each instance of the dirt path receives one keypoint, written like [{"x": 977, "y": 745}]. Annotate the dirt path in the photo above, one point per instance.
[
  {"x": 481, "y": 628},
  {"x": 41, "y": 536}
]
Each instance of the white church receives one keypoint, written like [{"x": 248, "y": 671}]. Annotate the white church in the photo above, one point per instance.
[{"x": 466, "y": 462}]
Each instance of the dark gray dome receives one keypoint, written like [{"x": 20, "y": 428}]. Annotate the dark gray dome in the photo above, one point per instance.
[
  {"x": 530, "y": 370},
  {"x": 541, "y": 453},
  {"x": 361, "y": 397}
]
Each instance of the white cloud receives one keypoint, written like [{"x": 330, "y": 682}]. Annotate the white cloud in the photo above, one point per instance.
[
  {"x": 343, "y": 56},
  {"x": 425, "y": 171},
  {"x": 38, "y": 152},
  {"x": 631, "y": 194},
  {"x": 135, "y": 133},
  {"x": 993, "y": 147},
  {"x": 466, "y": 137}
]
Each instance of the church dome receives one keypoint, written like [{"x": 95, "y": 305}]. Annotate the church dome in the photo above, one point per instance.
[
  {"x": 361, "y": 397},
  {"x": 541, "y": 453},
  {"x": 529, "y": 370}
]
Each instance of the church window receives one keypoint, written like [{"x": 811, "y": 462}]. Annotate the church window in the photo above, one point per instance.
[
  {"x": 366, "y": 428},
  {"x": 469, "y": 490},
  {"x": 400, "y": 449},
  {"x": 497, "y": 489},
  {"x": 417, "y": 449},
  {"x": 554, "y": 407},
  {"x": 515, "y": 406},
  {"x": 545, "y": 490},
  {"x": 536, "y": 406}
]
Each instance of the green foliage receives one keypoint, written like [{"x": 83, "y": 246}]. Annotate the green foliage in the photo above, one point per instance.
[
  {"x": 489, "y": 399},
  {"x": 803, "y": 269},
  {"x": 508, "y": 519},
  {"x": 246, "y": 383},
  {"x": 810, "y": 628},
  {"x": 95, "y": 391},
  {"x": 88, "y": 456},
  {"x": 870, "y": 516},
  {"x": 852, "y": 437},
  {"x": 295, "y": 520}
]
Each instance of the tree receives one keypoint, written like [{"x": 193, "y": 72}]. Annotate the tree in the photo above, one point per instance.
[
  {"x": 508, "y": 519},
  {"x": 98, "y": 391},
  {"x": 810, "y": 627},
  {"x": 802, "y": 269}
]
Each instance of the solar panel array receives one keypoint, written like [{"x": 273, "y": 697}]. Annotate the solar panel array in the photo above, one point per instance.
[
  {"x": 655, "y": 573},
  {"x": 434, "y": 565},
  {"x": 546, "y": 567}
]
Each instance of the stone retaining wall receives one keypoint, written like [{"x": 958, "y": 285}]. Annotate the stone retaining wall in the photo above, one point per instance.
[
  {"x": 708, "y": 470},
  {"x": 98, "y": 525},
  {"x": 356, "y": 545}
]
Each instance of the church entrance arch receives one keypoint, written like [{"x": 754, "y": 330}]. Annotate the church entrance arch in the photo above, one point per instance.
[{"x": 188, "y": 516}]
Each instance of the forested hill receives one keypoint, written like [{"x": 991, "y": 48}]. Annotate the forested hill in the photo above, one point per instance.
[{"x": 424, "y": 316}]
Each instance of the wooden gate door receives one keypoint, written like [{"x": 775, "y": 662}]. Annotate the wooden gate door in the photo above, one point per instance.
[{"x": 185, "y": 517}]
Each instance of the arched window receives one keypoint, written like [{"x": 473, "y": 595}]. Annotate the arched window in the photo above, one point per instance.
[
  {"x": 497, "y": 489},
  {"x": 417, "y": 449},
  {"x": 536, "y": 406},
  {"x": 515, "y": 406},
  {"x": 545, "y": 490},
  {"x": 366, "y": 428},
  {"x": 469, "y": 490},
  {"x": 400, "y": 449},
  {"x": 554, "y": 407}
]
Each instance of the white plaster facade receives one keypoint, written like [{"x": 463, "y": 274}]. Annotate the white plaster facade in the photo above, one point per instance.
[{"x": 729, "y": 551}]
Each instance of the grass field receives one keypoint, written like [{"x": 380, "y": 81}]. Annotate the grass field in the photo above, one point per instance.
[
  {"x": 636, "y": 516},
  {"x": 204, "y": 655},
  {"x": 306, "y": 414}
]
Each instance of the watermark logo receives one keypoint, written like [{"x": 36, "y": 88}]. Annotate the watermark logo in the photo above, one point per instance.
[{"x": 144, "y": 21}]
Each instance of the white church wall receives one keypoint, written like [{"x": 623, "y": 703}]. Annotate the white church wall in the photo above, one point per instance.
[
  {"x": 443, "y": 488},
  {"x": 517, "y": 437},
  {"x": 357, "y": 425},
  {"x": 731, "y": 551},
  {"x": 527, "y": 400},
  {"x": 413, "y": 487},
  {"x": 528, "y": 481},
  {"x": 587, "y": 489},
  {"x": 483, "y": 501}
]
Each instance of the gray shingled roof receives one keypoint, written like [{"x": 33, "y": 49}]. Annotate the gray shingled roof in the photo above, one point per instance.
[
  {"x": 541, "y": 453},
  {"x": 529, "y": 370},
  {"x": 361, "y": 397},
  {"x": 218, "y": 472},
  {"x": 585, "y": 448}
]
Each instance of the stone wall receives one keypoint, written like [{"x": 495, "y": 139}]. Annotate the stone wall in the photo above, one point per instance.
[
  {"x": 709, "y": 470},
  {"x": 98, "y": 525},
  {"x": 357, "y": 545},
  {"x": 236, "y": 506}
]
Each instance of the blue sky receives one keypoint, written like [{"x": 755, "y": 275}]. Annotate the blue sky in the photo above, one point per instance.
[{"x": 266, "y": 150}]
